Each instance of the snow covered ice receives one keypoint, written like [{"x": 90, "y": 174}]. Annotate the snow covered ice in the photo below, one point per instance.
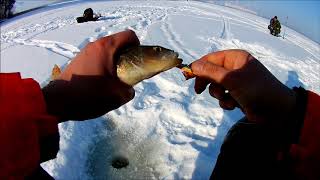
[{"x": 166, "y": 131}]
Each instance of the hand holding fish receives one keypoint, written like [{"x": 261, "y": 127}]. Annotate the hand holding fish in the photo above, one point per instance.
[
  {"x": 236, "y": 78},
  {"x": 89, "y": 86}
]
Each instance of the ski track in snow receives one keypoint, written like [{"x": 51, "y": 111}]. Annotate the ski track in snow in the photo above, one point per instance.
[
  {"x": 226, "y": 33},
  {"x": 166, "y": 131},
  {"x": 67, "y": 50},
  {"x": 175, "y": 42}
]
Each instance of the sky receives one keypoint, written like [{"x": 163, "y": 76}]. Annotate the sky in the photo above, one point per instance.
[{"x": 303, "y": 16}]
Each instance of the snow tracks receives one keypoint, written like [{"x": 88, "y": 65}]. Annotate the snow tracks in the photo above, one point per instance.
[{"x": 167, "y": 131}]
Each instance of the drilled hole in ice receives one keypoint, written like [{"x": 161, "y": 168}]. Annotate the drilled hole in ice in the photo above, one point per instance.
[{"x": 119, "y": 162}]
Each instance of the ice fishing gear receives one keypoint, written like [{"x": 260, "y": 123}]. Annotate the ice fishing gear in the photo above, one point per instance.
[{"x": 284, "y": 30}]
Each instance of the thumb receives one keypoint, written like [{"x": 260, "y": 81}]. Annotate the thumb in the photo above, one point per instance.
[{"x": 209, "y": 70}]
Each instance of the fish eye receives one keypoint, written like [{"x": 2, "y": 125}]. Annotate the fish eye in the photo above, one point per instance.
[{"x": 157, "y": 49}]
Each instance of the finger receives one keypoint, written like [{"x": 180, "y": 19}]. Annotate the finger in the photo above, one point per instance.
[
  {"x": 229, "y": 59},
  {"x": 200, "y": 84},
  {"x": 122, "y": 91},
  {"x": 228, "y": 104},
  {"x": 226, "y": 100},
  {"x": 216, "y": 58},
  {"x": 114, "y": 44},
  {"x": 120, "y": 40},
  {"x": 126, "y": 39},
  {"x": 217, "y": 91},
  {"x": 127, "y": 95},
  {"x": 209, "y": 70},
  {"x": 115, "y": 99},
  {"x": 230, "y": 100}
]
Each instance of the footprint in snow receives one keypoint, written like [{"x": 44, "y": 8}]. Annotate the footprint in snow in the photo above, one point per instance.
[
  {"x": 100, "y": 29},
  {"x": 146, "y": 98}
]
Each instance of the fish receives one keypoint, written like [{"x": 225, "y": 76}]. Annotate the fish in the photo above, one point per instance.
[
  {"x": 56, "y": 71},
  {"x": 142, "y": 62}
]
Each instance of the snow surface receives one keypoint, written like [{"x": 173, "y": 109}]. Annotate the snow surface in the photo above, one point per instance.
[{"x": 166, "y": 131}]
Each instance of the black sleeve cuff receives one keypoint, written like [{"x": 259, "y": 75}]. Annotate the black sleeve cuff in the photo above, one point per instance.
[
  {"x": 299, "y": 114},
  {"x": 49, "y": 147}
]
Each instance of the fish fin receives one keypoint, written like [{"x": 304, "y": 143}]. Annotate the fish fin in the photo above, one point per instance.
[{"x": 56, "y": 71}]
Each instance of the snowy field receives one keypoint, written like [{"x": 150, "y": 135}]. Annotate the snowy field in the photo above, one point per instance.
[{"x": 166, "y": 131}]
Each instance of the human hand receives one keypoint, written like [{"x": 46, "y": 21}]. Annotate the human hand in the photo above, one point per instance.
[
  {"x": 250, "y": 85},
  {"x": 89, "y": 86}
]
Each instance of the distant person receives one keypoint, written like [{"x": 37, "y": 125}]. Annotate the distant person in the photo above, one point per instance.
[
  {"x": 277, "y": 139},
  {"x": 88, "y": 15},
  {"x": 275, "y": 26},
  {"x": 6, "y": 8}
]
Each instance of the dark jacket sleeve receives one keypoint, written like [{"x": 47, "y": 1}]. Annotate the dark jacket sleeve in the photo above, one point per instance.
[
  {"x": 305, "y": 154},
  {"x": 28, "y": 135}
]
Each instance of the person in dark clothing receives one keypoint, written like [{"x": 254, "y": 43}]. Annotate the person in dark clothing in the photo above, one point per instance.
[
  {"x": 88, "y": 15},
  {"x": 277, "y": 139},
  {"x": 275, "y": 26},
  {"x": 6, "y": 8}
]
